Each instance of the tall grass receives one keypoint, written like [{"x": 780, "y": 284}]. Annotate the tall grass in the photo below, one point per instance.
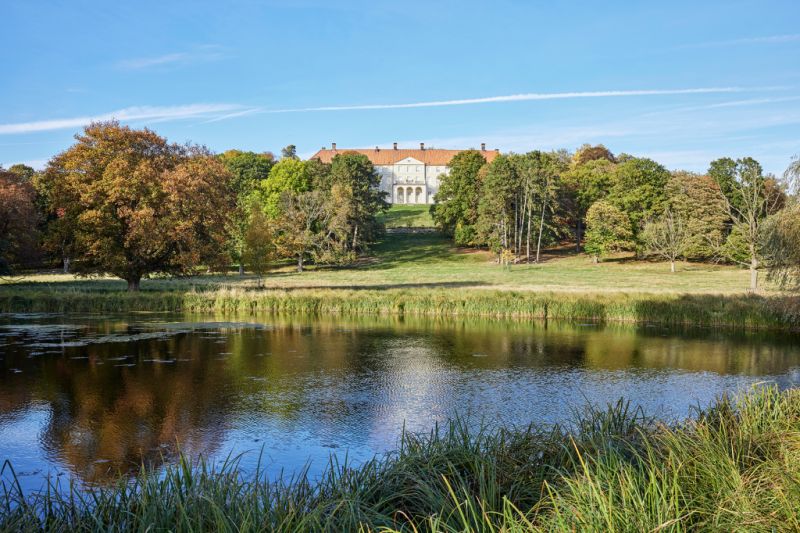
[
  {"x": 739, "y": 311},
  {"x": 732, "y": 467}
]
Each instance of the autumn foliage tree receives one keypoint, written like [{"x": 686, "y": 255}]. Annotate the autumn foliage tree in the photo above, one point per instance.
[
  {"x": 136, "y": 205},
  {"x": 18, "y": 221}
]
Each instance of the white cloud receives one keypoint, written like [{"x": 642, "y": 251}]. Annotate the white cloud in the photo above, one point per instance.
[
  {"x": 521, "y": 98},
  {"x": 199, "y": 54},
  {"x": 145, "y": 62},
  {"x": 151, "y": 113}
]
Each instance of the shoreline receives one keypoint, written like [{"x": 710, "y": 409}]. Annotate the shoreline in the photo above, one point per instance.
[{"x": 743, "y": 311}]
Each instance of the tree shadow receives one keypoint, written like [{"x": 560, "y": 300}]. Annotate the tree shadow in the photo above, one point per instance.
[{"x": 373, "y": 287}]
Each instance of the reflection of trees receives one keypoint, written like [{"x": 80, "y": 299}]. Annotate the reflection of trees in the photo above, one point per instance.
[
  {"x": 107, "y": 419},
  {"x": 349, "y": 375}
]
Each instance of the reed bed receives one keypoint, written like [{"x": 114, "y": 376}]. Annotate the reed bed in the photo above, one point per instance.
[
  {"x": 732, "y": 467},
  {"x": 746, "y": 311}
]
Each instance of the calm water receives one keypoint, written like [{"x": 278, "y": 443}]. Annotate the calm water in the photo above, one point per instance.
[{"x": 91, "y": 397}]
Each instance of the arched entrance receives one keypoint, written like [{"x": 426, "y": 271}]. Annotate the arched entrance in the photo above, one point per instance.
[
  {"x": 418, "y": 199},
  {"x": 400, "y": 196},
  {"x": 409, "y": 195}
]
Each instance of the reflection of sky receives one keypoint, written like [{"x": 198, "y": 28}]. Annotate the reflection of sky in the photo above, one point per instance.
[{"x": 296, "y": 393}]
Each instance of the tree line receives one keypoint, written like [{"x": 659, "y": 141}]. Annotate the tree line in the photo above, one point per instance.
[
  {"x": 519, "y": 203},
  {"x": 126, "y": 202}
]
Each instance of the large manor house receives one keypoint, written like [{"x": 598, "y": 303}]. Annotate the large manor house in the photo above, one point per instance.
[{"x": 407, "y": 176}]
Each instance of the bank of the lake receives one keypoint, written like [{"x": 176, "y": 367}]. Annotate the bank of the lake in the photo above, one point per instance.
[
  {"x": 735, "y": 466},
  {"x": 746, "y": 311}
]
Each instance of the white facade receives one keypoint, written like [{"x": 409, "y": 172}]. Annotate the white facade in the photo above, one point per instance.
[{"x": 410, "y": 181}]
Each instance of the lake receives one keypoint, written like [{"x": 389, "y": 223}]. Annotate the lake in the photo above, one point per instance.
[{"x": 90, "y": 397}]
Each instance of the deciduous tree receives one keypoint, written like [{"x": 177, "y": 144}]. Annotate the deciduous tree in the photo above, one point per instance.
[
  {"x": 288, "y": 175},
  {"x": 583, "y": 185},
  {"x": 781, "y": 246},
  {"x": 136, "y": 205},
  {"x": 695, "y": 199},
  {"x": 666, "y": 237},
  {"x": 639, "y": 190},
  {"x": 18, "y": 221},
  {"x": 289, "y": 152},
  {"x": 587, "y": 153},
  {"x": 749, "y": 197},
  {"x": 259, "y": 240},
  {"x": 301, "y": 226},
  {"x": 248, "y": 170},
  {"x": 456, "y": 207},
  {"x": 354, "y": 173},
  {"x": 608, "y": 230}
]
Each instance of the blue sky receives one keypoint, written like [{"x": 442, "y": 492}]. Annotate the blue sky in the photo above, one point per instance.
[{"x": 681, "y": 82}]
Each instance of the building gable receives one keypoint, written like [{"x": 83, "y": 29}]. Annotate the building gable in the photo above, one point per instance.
[{"x": 409, "y": 161}]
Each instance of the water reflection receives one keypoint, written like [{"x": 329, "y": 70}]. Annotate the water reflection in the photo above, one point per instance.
[{"x": 97, "y": 396}]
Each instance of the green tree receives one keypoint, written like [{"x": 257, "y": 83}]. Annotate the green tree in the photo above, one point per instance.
[
  {"x": 289, "y": 152},
  {"x": 583, "y": 185},
  {"x": 781, "y": 246},
  {"x": 695, "y": 199},
  {"x": 356, "y": 177},
  {"x": 749, "y": 198},
  {"x": 537, "y": 195},
  {"x": 136, "y": 205},
  {"x": 248, "y": 170},
  {"x": 301, "y": 227},
  {"x": 608, "y": 230},
  {"x": 259, "y": 243},
  {"x": 25, "y": 172},
  {"x": 496, "y": 221},
  {"x": 288, "y": 175},
  {"x": 456, "y": 202},
  {"x": 666, "y": 237},
  {"x": 639, "y": 190}
]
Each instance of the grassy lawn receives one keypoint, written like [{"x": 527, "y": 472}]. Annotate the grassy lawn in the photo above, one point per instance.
[
  {"x": 408, "y": 216},
  {"x": 428, "y": 260}
]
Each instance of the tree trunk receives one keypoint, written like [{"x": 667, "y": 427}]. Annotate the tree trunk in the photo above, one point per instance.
[
  {"x": 133, "y": 284},
  {"x": 241, "y": 268},
  {"x": 355, "y": 238},
  {"x": 672, "y": 266},
  {"x": 66, "y": 265},
  {"x": 300, "y": 262},
  {"x": 541, "y": 230},
  {"x": 578, "y": 235},
  {"x": 754, "y": 274},
  {"x": 528, "y": 238},
  {"x": 595, "y": 259}
]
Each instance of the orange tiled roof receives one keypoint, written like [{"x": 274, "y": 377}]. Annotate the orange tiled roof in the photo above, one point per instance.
[{"x": 390, "y": 156}]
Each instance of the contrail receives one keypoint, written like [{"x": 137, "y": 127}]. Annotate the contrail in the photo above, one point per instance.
[{"x": 517, "y": 98}]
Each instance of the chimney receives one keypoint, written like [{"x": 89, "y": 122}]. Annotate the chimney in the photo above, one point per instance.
[
  {"x": 395, "y": 146},
  {"x": 377, "y": 149},
  {"x": 497, "y": 150},
  {"x": 483, "y": 147},
  {"x": 333, "y": 146},
  {"x": 421, "y": 146}
]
